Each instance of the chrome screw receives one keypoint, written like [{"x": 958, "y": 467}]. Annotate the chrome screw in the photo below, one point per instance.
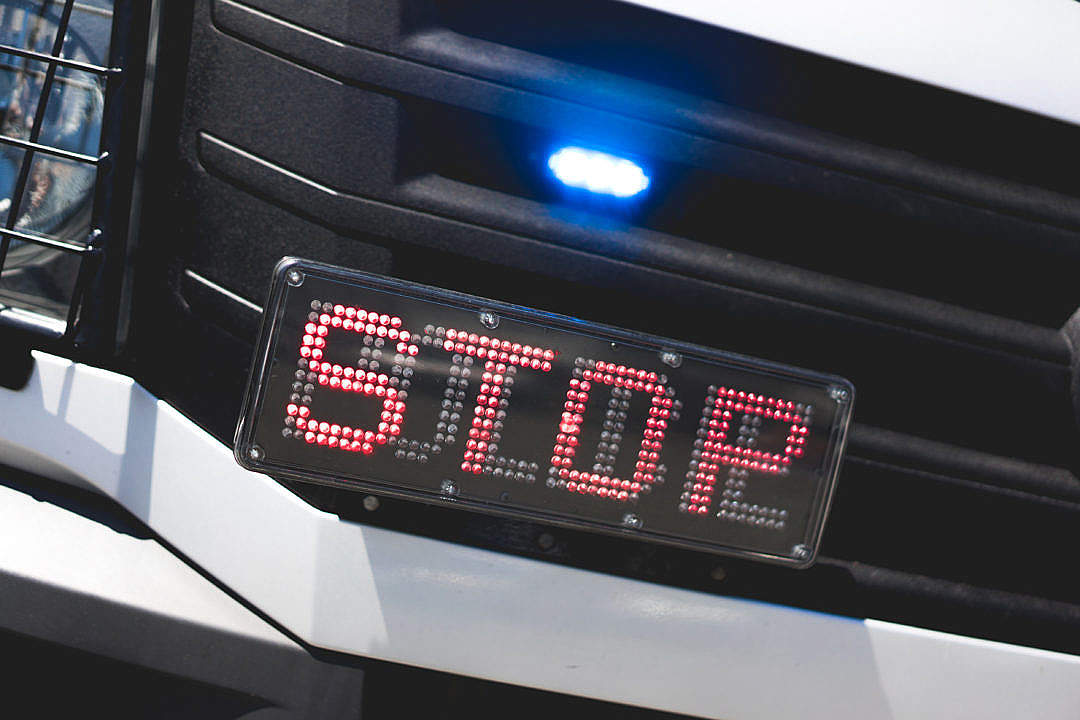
[
  {"x": 295, "y": 278},
  {"x": 489, "y": 319},
  {"x": 631, "y": 520},
  {"x": 449, "y": 487},
  {"x": 371, "y": 503},
  {"x": 671, "y": 359},
  {"x": 256, "y": 453},
  {"x": 838, "y": 394},
  {"x": 800, "y": 552}
]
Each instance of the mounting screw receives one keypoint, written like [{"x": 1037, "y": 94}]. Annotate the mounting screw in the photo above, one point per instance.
[
  {"x": 838, "y": 394},
  {"x": 800, "y": 552},
  {"x": 671, "y": 359},
  {"x": 449, "y": 487},
  {"x": 295, "y": 278},
  {"x": 546, "y": 541},
  {"x": 489, "y": 319},
  {"x": 718, "y": 573},
  {"x": 631, "y": 520},
  {"x": 371, "y": 503},
  {"x": 256, "y": 453}
]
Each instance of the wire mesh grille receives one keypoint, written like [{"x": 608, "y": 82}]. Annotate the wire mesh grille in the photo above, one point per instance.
[{"x": 58, "y": 74}]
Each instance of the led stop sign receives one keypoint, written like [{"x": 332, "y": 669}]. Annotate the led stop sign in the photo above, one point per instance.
[{"x": 375, "y": 384}]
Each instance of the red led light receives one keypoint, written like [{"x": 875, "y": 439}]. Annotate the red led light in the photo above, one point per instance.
[
  {"x": 492, "y": 401},
  {"x": 724, "y": 410},
  {"x": 623, "y": 382},
  {"x": 727, "y": 402},
  {"x": 340, "y": 378}
]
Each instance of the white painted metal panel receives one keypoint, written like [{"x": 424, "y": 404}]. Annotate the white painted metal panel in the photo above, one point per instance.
[
  {"x": 1024, "y": 53},
  {"x": 69, "y": 552}
]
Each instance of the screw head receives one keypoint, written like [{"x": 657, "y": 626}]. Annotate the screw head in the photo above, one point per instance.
[
  {"x": 371, "y": 503},
  {"x": 800, "y": 552},
  {"x": 489, "y": 319},
  {"x": 295, "y": 278},
  {"x": 631, "y": 520},
  {"x": 546, "y": 541},
  {"x": 449, "y": 487},
  {"x": 256, "y": 453},
  {"x": 671, "y": 359},
  {"x": 839, "y": 394}
]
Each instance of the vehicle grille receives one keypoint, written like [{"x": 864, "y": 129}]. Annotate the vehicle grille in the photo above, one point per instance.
[{"x": 803, "y": 210}]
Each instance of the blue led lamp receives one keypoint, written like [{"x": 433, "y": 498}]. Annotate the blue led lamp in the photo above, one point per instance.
[{"x": 598, "y": 172}]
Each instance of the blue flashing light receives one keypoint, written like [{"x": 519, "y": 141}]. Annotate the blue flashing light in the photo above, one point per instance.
[{"x": 598, "y": 172}]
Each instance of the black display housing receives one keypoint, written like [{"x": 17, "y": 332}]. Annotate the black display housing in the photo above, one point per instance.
[{"x": 682, "y": 454}]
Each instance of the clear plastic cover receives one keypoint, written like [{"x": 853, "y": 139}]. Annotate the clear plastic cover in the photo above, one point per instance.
[{"x": 376, "y": 384}]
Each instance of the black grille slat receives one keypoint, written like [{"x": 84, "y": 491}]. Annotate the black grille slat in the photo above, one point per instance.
[{"x": 324, "y": 99}]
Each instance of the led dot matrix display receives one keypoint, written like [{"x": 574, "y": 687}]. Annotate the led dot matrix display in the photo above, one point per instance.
[{"x": 371, "y": 383}]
